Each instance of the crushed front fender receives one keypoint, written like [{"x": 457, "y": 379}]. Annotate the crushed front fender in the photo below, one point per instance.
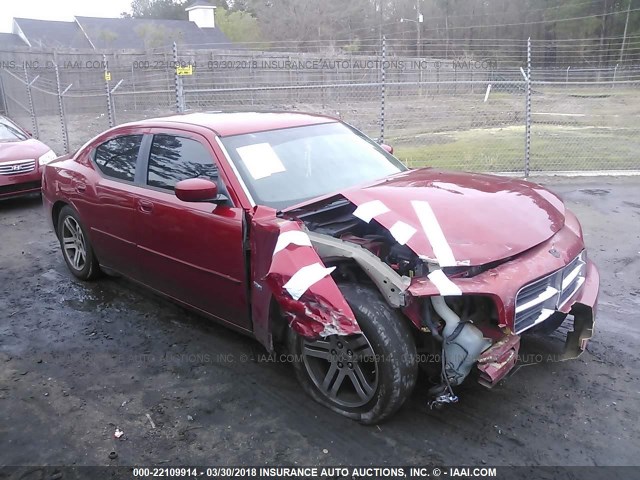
[{"x": 286, "y": 268}]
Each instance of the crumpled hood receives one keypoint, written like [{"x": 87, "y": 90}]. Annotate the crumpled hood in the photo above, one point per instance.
[
  {"x": 458, "y": 218},
  {"x": 24, "y": 150}
]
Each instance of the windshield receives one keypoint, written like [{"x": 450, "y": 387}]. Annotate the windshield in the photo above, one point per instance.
[
  {"x": 284, "y": 167},
  {"x": 10, "y": 132}
]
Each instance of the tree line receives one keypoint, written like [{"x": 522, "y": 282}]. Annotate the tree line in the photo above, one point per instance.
[{"x": 592, "y": 32}]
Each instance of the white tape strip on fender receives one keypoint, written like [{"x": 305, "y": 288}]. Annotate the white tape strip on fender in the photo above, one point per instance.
[
  {"x": 402, "y": 232},
  {"x": 371, "y": 209},
  {"x": 431, "y": 227},
  {"x": 304, "y": 278},
  {"x": 295, "y": 237},
  {"x": 443, "y": 284}
]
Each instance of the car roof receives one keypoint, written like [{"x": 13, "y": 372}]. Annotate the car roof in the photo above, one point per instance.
[{"x": 225, "y": 124}]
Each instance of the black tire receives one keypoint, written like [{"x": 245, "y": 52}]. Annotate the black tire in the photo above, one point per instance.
[
  {"x": 89, "y": 269},
  {"x": 389, "y": 336}
]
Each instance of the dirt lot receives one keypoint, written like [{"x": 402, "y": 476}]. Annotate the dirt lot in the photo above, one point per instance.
[{"x": 78, "y": 360}]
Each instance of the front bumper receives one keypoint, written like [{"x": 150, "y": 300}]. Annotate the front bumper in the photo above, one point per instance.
[
  {"x": 583, "y": 310},
  {"x": 564, "y": 342},
  {"x": 571, "y": 337},
  {"x": 502, "y": 284},
  {"x": 20, "y": 184}
]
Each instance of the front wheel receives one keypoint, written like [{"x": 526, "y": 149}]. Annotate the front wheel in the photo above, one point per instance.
[{"x": 367, "y": 376}]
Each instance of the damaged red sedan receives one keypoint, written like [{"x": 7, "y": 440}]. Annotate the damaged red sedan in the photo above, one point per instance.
[{"x": 304, "y": 233}]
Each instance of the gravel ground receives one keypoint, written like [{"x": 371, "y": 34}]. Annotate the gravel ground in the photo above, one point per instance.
[{"x": 78, "y": 360}]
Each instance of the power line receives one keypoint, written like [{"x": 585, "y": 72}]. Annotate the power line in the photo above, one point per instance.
[
  {"x": 572, "y": 5},
  {"x": 537, "y": 22},
  {"x": 374, "y": 27}
]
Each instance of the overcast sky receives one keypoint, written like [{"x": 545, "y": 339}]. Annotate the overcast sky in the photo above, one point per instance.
[{"x": 58, "y": 9}]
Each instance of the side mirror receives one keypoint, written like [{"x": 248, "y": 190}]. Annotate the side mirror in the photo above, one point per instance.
[
  {"x": 387, "y": 148},
  {"x": 198, "y": 190}
]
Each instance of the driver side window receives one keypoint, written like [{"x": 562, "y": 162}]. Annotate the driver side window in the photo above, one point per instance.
[{"x": 174, "y": 158}]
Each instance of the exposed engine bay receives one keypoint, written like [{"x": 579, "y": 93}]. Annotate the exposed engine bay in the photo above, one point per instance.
[{"x": 337, "y": 220}]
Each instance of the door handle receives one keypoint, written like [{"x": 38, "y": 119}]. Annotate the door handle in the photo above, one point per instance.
[{"x": 145, "y": 206}]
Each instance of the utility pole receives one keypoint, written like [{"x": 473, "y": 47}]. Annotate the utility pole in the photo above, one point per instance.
[
  {"x": 446, "y": 32},
  {"x": 624, "y": 35},
  {"x": 602, "y": 34},
  {"x": 380, "y": 7},
  {"x": 419, "y": 44},
  {"x": 419, "y": 16},
  {"x": 418, "y": 22},
  {"x": 419, "y": 27}
]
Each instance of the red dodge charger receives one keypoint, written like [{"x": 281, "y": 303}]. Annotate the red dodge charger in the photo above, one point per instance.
[{"x": 302, "y": 232}]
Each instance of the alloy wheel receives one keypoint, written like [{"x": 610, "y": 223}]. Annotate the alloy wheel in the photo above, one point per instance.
[
  {"x": 73, "y": 243},
  {"x": 343, "y": 368}
]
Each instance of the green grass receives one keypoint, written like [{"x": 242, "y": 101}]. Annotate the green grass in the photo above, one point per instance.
[{"x": 553, "y": 147}]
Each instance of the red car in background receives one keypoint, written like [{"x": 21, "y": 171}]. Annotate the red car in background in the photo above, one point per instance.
[
  {"x": 21, "y": 159},
  {"x": 303, "y": 232}
]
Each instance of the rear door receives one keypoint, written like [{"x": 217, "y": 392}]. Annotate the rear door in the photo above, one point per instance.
[
  {"x": 107, "y": 204},
  {"x": 193, "y": 252}
]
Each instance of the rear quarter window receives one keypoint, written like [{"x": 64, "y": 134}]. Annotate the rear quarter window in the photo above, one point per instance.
[{"x": 116, "y": 158}]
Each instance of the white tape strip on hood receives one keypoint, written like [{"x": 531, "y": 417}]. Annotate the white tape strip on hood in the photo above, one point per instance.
[
  {"x": 371, "y": 209},
  {"x": 402, "y": 232},
  {"x": 304, "y": 278},
  {"x": 295, "y": 237},
  {"x": 443, "y": 284},
  {"x": 431, "y": 227}
]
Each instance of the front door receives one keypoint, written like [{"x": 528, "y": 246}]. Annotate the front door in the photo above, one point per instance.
[{"x": 193, "y": 252}]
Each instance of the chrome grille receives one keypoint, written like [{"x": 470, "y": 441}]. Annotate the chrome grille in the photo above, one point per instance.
[
  {"x": 538, "y": 300},
  {"x": 16, "y": 167}
]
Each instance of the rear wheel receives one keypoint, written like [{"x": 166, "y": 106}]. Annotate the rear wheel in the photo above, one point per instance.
[
  {"x": 367, "y": 376},
  {"x": 76, "y": 249}
]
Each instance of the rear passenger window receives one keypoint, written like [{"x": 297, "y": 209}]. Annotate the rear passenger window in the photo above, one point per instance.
[
  {"x": 177, "y": 158},
  {"x": 117, "y": 157}
]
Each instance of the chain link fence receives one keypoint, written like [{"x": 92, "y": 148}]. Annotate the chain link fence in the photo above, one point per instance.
[{"x": 450, "y": 108}]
